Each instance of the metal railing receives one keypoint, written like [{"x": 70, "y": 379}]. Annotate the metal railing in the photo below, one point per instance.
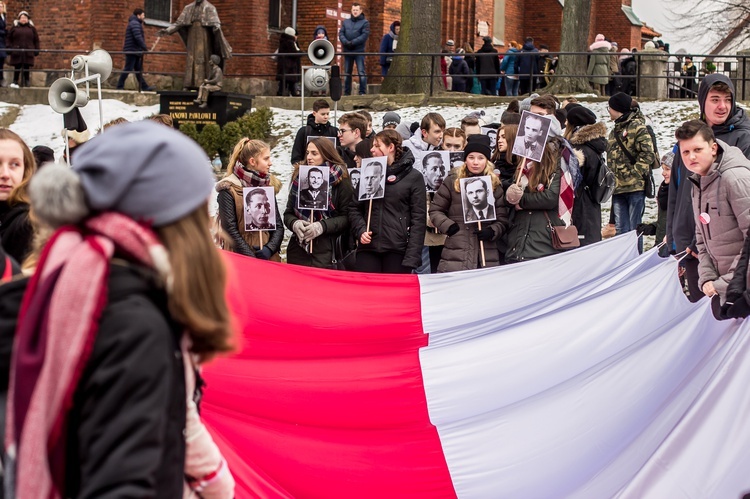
[{"x": 734, "y": 66}]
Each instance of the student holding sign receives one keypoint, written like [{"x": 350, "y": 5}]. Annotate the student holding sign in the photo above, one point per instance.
[
  {"x": 536, "y": 198},
  {"x": 391, "y": 229},
  {"x": 247, "y": 201},
  {"x": 314, "y": 212},
  {"x": 470, "y": 209}
]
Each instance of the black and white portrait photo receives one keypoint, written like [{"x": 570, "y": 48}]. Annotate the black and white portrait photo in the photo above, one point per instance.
[
  {"x": 457, "y": 158},
  {"x": 313, "y": 188},
  {"x": 355, "y": 174},
  {"x": 532, "y": 136},
  {"x": 260, "y": 208},
  {"x": 492, "y": 134},
  {"x": 434, "y": 166},
  {"x": 372, "y": 180},
  {"x": 477, "y": 199},
  {"x": 333, "y": 140}
]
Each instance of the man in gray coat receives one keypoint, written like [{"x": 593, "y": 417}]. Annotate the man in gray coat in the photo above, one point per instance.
[
  {"x": 721, "y": 203},
  {"x": 729, "y": 123}
]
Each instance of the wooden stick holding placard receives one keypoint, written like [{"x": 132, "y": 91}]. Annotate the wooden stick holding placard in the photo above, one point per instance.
[
  {"x": 481, "y": 246},
  {"x": 311, "y": 222},
  {"x": 520, "y": 170},
  {"x": 369, "y": 214}
]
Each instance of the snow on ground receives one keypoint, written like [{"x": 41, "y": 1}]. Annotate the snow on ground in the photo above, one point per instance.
[{"x": 38, "y": 124}]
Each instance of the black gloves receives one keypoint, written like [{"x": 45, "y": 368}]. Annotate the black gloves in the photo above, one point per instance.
[
  {"x": 737, "y": 310},
  {"x": 263, "y": 254},
  {"x": 452, "y": 230},
  {"x": 485, "y": 234},
  {"x": 646, "y": 229}
]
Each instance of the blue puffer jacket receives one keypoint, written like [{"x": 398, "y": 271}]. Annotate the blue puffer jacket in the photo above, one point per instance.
[
  {"x": 134, "y": 39},
  {"x": 510, "y": 62},
  {"x": 386, "y": 45},
  {"x": 354, "y": 33}
]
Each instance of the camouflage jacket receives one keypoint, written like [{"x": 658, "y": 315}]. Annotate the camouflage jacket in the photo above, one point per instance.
[{"x": 631, "y": 129}]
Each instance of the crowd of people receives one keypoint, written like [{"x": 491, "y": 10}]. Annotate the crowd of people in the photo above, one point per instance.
[{"x": 110, "y": 267}]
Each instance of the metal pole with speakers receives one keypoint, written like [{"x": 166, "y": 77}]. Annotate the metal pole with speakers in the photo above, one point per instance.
[
  {"x": 64, "y": 96},
  {"x": 315, "y": 78}
]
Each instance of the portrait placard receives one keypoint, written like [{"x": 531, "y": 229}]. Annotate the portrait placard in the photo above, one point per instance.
[
  {"x": 434, "y": 166},
  {"x": 532, "y": 136},
  {"x": 355, "y": 174},
  {"x": 492, "y": 134},
  {"x": 334, "y": 140},
  {"x": 477, "y": 199},
  {"x": 313, "y": 188},
  {"x": 457, "y": 158},
  {"x": 372, "y": 183},
  {"x": 260, "y": 208}
]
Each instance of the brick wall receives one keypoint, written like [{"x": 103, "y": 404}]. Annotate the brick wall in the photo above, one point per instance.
[
  {"x": 82, "y": 25},
  {"x": 514, "y": 21}
]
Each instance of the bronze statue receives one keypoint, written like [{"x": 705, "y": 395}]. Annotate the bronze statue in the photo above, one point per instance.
[
  {"x": 212, "y": 83},
  {"x": 200, "y": 29}
]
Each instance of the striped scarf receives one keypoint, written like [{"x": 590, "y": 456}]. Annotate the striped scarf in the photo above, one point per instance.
[{"x": 251, "y": 178}]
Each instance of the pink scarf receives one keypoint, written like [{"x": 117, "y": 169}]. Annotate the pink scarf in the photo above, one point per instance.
[{"x": 57, "y": 327}]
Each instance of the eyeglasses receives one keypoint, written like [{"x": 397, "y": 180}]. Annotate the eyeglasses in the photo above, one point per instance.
[{"x": 342, "y": 130}]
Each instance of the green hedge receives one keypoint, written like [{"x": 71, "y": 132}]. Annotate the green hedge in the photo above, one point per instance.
[{"x": 214, "y": 139}]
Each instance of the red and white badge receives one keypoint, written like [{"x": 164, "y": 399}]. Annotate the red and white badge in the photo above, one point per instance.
[
  {"x": 391, "y": 178},
  {"x": 705, "y": 218}
]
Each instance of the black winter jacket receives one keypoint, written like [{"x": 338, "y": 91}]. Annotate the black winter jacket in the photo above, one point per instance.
[
  {"x": 16, "y": 231},
  {"x": 135, "y": 41},
  {"x": 312, "y": 129},
  {"x": 288, "y": 67},
  {"x": 399, "y": 219},
  {"x": 336, "y": 224},
  {"x": 591, "y": 140},
  {"x": 125, "y": 429},
  {"x": 488, "y": 63}
]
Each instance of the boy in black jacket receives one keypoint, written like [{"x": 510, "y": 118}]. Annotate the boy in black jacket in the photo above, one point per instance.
[{"x": 317, "y": 126}]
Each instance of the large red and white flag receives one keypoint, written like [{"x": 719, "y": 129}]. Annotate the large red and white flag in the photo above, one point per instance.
[{"x": 585, "y": 374}]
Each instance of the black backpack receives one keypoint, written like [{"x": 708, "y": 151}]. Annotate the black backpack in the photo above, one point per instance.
[{"x": 602, "y": 190}]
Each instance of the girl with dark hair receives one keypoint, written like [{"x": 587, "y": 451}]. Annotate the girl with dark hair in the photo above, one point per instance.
[
  {"x": 503, "y": 158},
  {"x": 249, "y": 166},
  {"x": 393, "y": 243},
  {"x": 536, "y": 199},
  {"x": 314, "y": 232}
]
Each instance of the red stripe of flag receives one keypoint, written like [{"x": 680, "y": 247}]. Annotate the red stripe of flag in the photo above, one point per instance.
[{"x": 326, "y": 397}]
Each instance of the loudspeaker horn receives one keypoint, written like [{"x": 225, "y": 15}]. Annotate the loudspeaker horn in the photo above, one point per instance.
[
  {"x": 321, "y": 52},
  {"x": 316, "y": 79},
  {"x": 64, "y": 96},
  {"x": 99, "y": 62}
]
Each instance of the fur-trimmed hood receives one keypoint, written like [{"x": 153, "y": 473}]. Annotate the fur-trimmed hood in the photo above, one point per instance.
[
  {"x": 601, "y": 44},
  {"x": 588, "y": 133}
]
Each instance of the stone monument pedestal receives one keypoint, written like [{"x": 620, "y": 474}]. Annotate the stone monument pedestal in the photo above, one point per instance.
[{"x": 222, "y": 107}]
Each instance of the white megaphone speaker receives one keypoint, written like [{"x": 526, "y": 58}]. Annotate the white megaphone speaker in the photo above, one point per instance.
[
  {"x": 99, "y": 62},
  {"x": 316, "y": 79},
  {"x": 64, "y": 96},
  {"x": 321, "y": 52}
]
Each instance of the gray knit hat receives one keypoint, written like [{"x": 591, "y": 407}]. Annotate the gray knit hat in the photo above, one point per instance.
[
  {"x": 391, "y": 118},
  {"x": 668, "y": 159},
  {"x": 149, "y": 172}
]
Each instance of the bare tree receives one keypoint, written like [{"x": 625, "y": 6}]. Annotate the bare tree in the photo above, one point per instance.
[
  {"x": 711, "y": 26},
  {"x": 420, "y": 32},
  {"x": 574, "y": 38}
]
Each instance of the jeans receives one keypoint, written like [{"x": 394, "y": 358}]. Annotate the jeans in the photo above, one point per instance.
[
  {"x": 511, "y": 87},
  {"x": 628, "y": 209},
  {"x": 133, "y": 63},
  {"x": 359, "y": 60}
]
